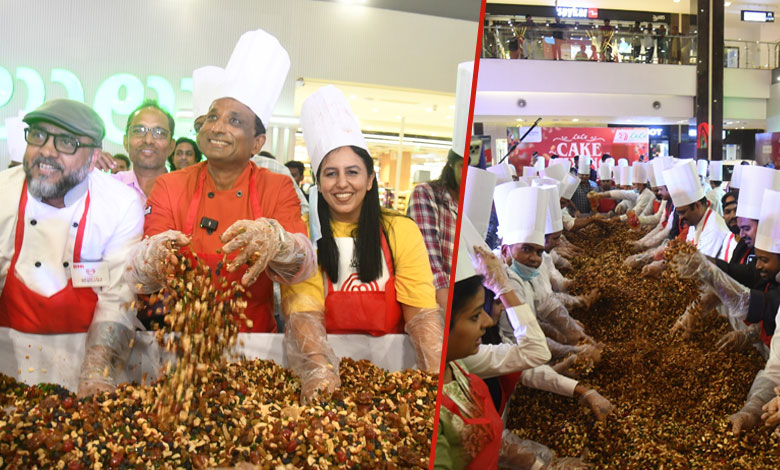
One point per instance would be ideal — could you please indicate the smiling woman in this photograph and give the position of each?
(374, 275)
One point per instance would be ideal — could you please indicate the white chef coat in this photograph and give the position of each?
(655, 217)
(708, 237)
(530, 350)
(114, 226)
(715, 195)
(642, 202)
(729, 243)
(568, 220)
(772, 368)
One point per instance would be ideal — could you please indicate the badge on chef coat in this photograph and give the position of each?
(89, 274)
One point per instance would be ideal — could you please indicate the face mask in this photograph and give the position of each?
(526, 273)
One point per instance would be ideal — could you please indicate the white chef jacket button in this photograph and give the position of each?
(75, 224)
(239, 193)
(37, 264)
(33, 222)
(65, 264)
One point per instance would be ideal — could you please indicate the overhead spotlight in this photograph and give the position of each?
(521, 103)
(656, 105)
(575, 120)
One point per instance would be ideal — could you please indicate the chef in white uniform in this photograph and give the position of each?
(65, 235)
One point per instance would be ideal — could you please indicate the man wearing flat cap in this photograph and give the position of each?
(66, 232)
(227, 204)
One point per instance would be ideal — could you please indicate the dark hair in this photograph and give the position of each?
(123, 157)
(368, 245)
(151, 104)
(447, 177)
(259, 127)
(729, 194)
(267, 154)
(463, 291)
(295, 164)
(198, 153)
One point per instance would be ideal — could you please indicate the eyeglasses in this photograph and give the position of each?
(157, 132)
(63, 143)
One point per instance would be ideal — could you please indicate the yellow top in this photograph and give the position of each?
(413, 277)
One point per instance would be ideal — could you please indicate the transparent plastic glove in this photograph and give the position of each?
(295, 262)
(688, 265)
(749, 416)
(560, 351)
(771, 415)
(566, 463)
(695, 315)
(600, 406)
(492, 270)
(107, 348)
(555, 314)
(590, 298)
(638, 260)
(149, 265)
(620, 209)
(561, 262)
(636, 246)
(740, 340)
(654, 269)
(310, 356)
(263, 243)
(516, 453)
(426, 331)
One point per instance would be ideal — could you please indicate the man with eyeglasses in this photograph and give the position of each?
(148, 141)
(66, 232)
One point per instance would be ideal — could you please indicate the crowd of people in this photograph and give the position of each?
(80, 247)
(511, 320)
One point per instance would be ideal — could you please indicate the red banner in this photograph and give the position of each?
(630, 143)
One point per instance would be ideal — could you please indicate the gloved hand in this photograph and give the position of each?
(636, 247)
(310, 356)
(771, 415)
(587, 300)
(108, 346)
(761, 392)
(260, 242)
(600, 406)
(739, 340)
(654, 269)
(688, 265)
(426, 330)
(695, 315)
(567, 463)
(492, 270)
(153, 261)
(620, 209)
(638, 260)
(517, 453)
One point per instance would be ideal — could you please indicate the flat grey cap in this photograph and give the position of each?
(72, 116)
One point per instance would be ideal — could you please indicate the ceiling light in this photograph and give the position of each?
(374, 110)
(449, 117)
(352, 97)
(676, 1)
(519, 119)
(452, 106)
(398, 117)
(727, 4)
(428, 110)
(575, 120)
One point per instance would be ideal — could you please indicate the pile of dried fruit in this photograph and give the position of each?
(243, 412)
(672, 396)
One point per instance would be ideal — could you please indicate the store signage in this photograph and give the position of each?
(117, 96)
(758, 16)
(577, 12)
(620, 142)
(655, 131)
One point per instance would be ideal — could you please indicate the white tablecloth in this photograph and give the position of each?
(57, 358)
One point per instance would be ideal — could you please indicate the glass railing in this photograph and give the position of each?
(612, 45)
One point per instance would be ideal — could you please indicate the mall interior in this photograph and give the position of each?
(396, 61)
(642, 70)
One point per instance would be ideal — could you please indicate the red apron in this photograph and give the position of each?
(361, 311)
(508, 384)
(260, 306)
(68, 311)
(487, 458)
(656, 205)
(667, 213)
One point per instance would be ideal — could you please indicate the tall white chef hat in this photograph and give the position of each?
(565, 162)
(500, 197)
(638, 173)
(768, 231)
(610, 161)
(539, 164)
(750, 197)
(716, 170)
(529, 171)
(622, 162)
(583, 165)
(736, 176)
(556, 171)
(569, 185)
(460, 133)
(554, 222)
(605, 172)
(683, 183)
(328, 123)
(469, 237)
(624, 175)
(206, 87)
(526, 224)
(478, 200)
(504, 172)
(256, 72)
(659, 165)
(15, 134)
(702, 165)
(650, 169)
